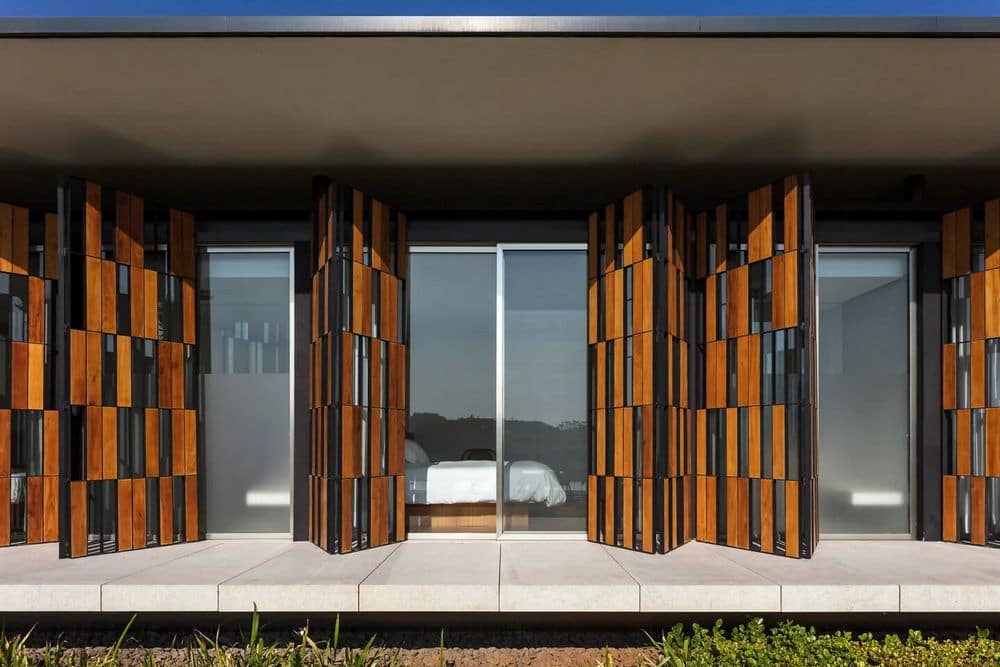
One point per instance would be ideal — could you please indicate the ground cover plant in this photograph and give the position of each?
(751, 643)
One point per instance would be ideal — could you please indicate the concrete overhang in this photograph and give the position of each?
(511, 112)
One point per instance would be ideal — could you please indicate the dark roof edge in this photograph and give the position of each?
(687, 26)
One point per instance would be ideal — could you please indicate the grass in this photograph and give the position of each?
(751, 643)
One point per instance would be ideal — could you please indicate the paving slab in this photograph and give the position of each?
(34, 579)
(435, 576)
(563, 576)
(302, 578)
(693, 578)
(190, 583)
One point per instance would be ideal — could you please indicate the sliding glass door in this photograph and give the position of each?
(497, 390)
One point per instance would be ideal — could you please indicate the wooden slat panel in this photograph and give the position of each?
(948, 356)
(721, 245)
(400, 508)
(50, 509)
(609, 510)
(191, 508)
(397, 376)
(351, 442)
(123, 350)
(949, 493)
(19, 240)
(138, 514)
(36, 310)
(397, 440)
(137, 308)
(50, 454)
(125, 504)
(977, 383)
(992, 240)
(767, 516)
(177, 374)
(993, 442)
(94, 315)
(152, 439)
(389, 307)
(94, 368)
(166, 510)
(123, 228)
(149, 283)
(19, 375)
(109, 443)
(109, 297)
(628, 528)
(190, 442)
(609, 238)
(992, 306)
(792, 519)
(791, 289)
(36, 376)
(791, 204)
(35, 500)
(187, 299)
(92, 220)
(178, 436)
(978, 510)
(77, 518)
(357, 226)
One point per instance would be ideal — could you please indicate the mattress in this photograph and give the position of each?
(450, 482)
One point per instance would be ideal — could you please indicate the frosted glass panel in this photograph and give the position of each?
(864, 392)
(245, 384)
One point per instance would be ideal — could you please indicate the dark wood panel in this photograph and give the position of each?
(191, 508)
(36, 310)
(949, 525)
(35, 499)
(50, 510)
(138, 514)
(92, 221)
(166, 510)
(36, 376)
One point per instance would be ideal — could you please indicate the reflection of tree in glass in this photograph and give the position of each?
(563, 448)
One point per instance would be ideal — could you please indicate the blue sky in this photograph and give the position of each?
(500, 7)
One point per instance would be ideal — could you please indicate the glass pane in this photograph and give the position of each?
(245, 385)
(864, 393)
(451, 439)
(545, 390)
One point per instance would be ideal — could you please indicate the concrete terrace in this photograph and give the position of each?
(486, 576)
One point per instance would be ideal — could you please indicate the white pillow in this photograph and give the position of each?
(415, 454)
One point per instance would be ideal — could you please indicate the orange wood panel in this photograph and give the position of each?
(78, 518)
(734, 515)
(19, 240)
(166, 510)
(6, 239)
(351, 442)
(609, 238)
(109, 297)
(977, 383)
(767, 516)
(36, 310)
(963, 241)
(792, 519)
(992, 306)
(389, 315)
(791, 205)
(949, 494)
(191, 508)
(400, 508)
(36, 376)
(992, 233)
(380, 240)
(948, 354)
(978, 510)
(35, 499)
(683, 375)
(123, 228)
(628, 529)
(137, 216)
(778, 441)
(177, 374)
(152, 441)
(397, 376)
(187, 294)
(397, 440)
(137, 307)
(178, 437)
(50, 509)
(125, 504)
(617, 468)
(190, 442)
(109, 443)
(92, 220)
(77, 367)
(19, 375)
(138, 514)
(791, 289)
(94, 304)
(51, 246)
(977, 305)
(149, 284)
(592, 312)
(50, 454)
(163, 372)
(963, 423)
(993, 442)
(609, 510)
(5, 444)
(123, 350)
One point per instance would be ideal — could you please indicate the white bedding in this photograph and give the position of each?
(451, 482)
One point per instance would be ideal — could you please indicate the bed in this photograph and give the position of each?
(461, 495)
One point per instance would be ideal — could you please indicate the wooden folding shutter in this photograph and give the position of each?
(754, 419)
(125, 320)
(357, 371)
(640, 483)
(29, 420)
(970, 391)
